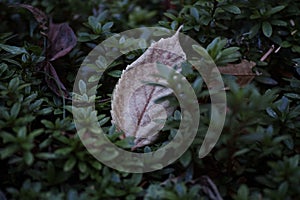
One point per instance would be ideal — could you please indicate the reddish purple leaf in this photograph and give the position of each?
(53, 81)
(62, 39)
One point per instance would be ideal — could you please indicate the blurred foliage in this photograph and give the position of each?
(257, 155)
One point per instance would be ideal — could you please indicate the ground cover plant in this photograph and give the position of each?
(255, 44)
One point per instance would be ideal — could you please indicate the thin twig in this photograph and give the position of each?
(210, 188)
(266, 55)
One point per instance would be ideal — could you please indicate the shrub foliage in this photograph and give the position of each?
(257, 155)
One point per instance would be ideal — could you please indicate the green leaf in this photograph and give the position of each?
(93, 78)
(15, 109)
(45, 155)
(169, 15)
(82, 87)
(109, 154)
(180, 189)
(85, 37)
(115, 73)
(64, 151)
(21, 131)
(69, 164)
(201, 51)
(174, 25)
(194, 12)
(279, 22)
(28, 158)
(296, 48)
(7, 137)
(101, 62)
(45, 111)
(241, 152)
(232, 9)
(283, 107)
(229, 51)
(283, 189)
(8, 151)
(267, 29)
(13, 84)
(107, 26)
(96, 164)
(186, 158)
(289, 142)
(13, 49)
(128, 142)
(215, 47)
(48, 124)
(272, 113)
(36, 104)
(82, 167)
(266, 80)
(292, 96)
(36, 133)
(243, 192)
(275, 10)
(93, 22)
(3, 68)
(285, 44)
(254, 30)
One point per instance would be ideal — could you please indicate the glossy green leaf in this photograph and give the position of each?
(194, 12)
(15, 109)
(13, 84)
(45, 156)
(7, 137)
(275, 10)
(13, 49)
(107, 26)
(115, 73)
(279, 22)
(69, 164)
(232, 9)
(82, 87)
(267, 29)
(272, 113)
(28, 158)
(8, 150)
(266, 80)
(243, 192)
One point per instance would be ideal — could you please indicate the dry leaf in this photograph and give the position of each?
(243, 71)
(133, 109)
(53, 81)
(62, 40)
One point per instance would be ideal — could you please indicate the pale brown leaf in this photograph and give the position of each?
(243, 71)
(133, 109)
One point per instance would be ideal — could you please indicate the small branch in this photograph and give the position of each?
(266, 55)
(210, 188)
